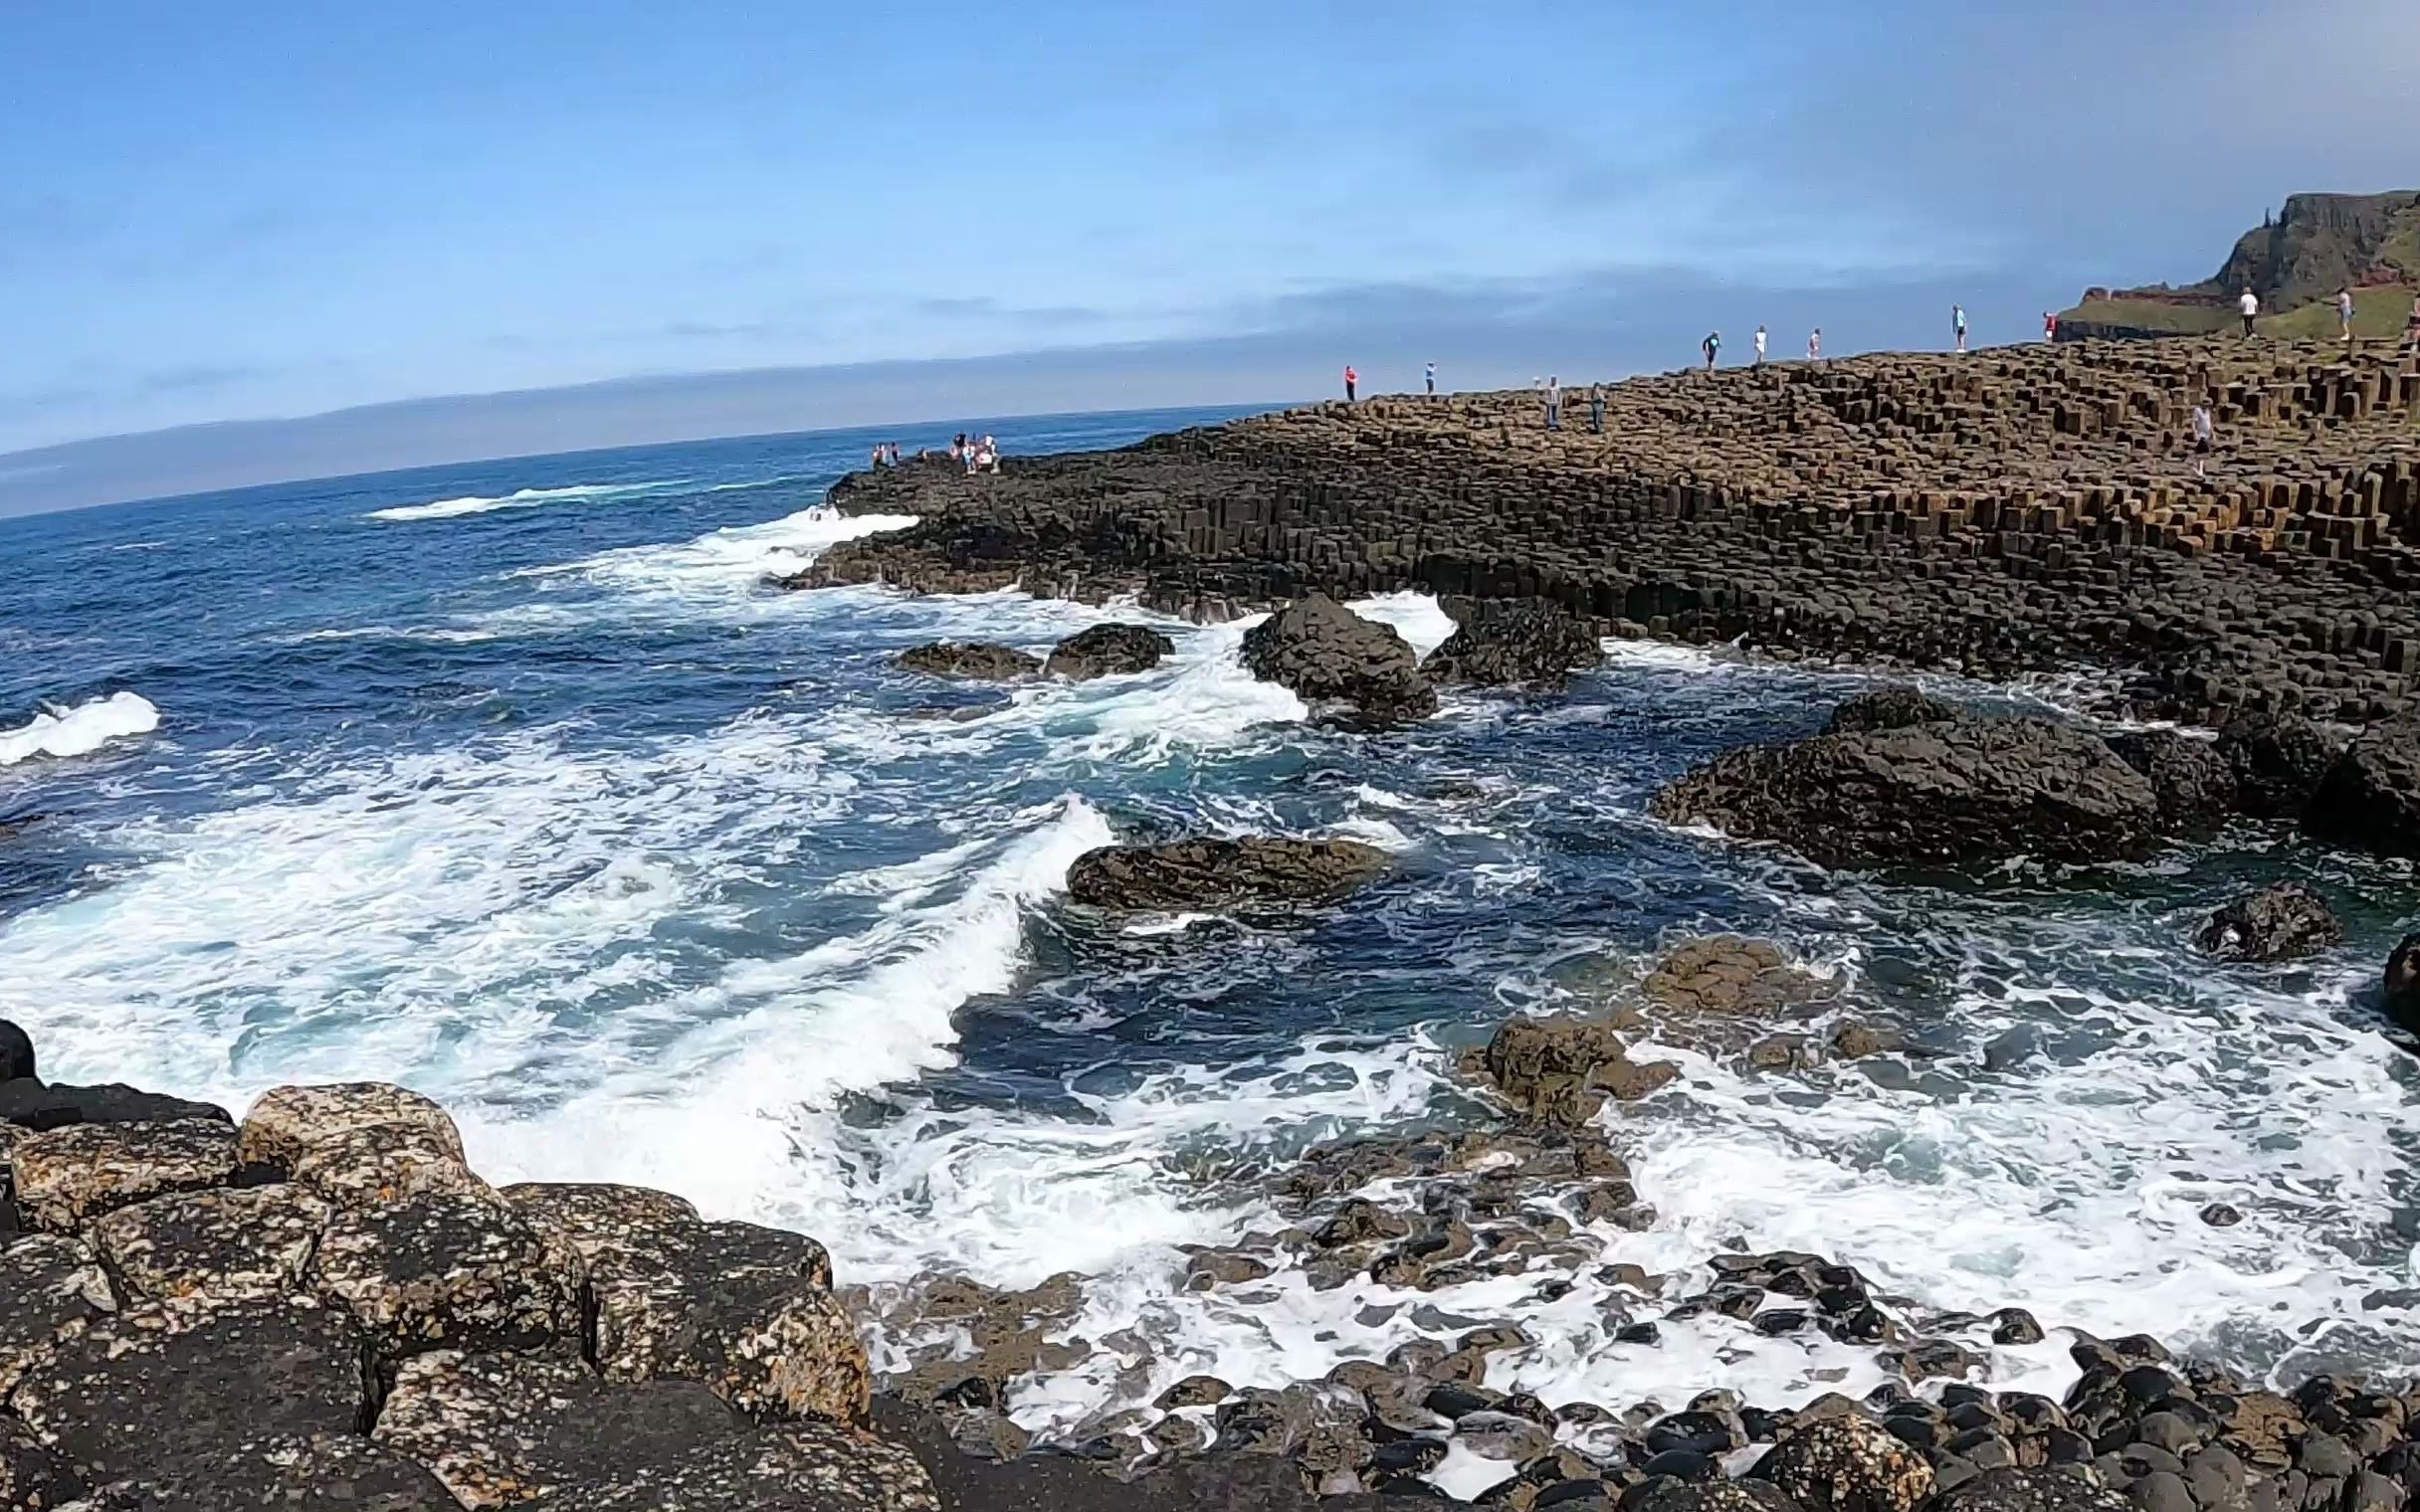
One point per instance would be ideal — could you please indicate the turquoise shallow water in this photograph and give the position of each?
(514, 782)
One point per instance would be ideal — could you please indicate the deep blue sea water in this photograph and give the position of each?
(515, 781)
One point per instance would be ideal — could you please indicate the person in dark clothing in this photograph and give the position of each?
(1596, 409)
(1351, 380)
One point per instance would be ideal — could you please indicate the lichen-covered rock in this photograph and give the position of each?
(1724, 975)
(1107, 650)
(448, 1270)
(2045, 1489)
(968, 660)
(1848, 1464)
(288, 1119)
(325, 1473)
(1529, 646)
(378, 1165)
(2196, 786)
(68, 1176)
(2276, 923)
(593, 1217)
(1746, 1495)
(2370, 797)
(225, 1244)
(33, 1478)
(503, 1430)
(1560, 1070)
(1951, 790)
(1221, 873)
(49, 1285)
(2278, 760)
(1328, 654)
(167, 1384)
(1889, 709)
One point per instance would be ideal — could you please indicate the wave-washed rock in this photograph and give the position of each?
(1221, 873)
(1331, 657)
(2276, 923)
(970, 660)
(1530, 646)
(1107, 650)
(2370, 795)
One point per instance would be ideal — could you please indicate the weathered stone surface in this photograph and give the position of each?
(49, 1285)
(447, 1270)
(164, 1386)
(68, 1176)
(378, 1165)
(325, 1473)
(288, 1119)
(1526, 646)
(2276, 923)
(1889, 709)
(596, 1216)
(2370, 797)
(224, 1244)
(970, 660)
(1107, 650)
(2045, 1489)
(1748, 1495)
(1724, 975)
(502, 1430)
(2279, 762)
(1957, 791)
(1329, 655)
(1560, 1070)
(1221, 873)
(33, 1478)
(1848, 1464)
(2196, 787)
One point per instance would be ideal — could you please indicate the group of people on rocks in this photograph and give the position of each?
(977, 454)
(885, 454)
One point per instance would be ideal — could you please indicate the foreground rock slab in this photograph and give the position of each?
(1529, 645)
(1221, 873)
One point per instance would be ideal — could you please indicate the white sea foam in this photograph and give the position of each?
(722, 569)
(523, 498)
(81, 730)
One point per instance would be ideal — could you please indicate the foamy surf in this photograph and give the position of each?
(523, 498)
(81, 730)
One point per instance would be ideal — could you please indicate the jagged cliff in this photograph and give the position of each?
(2319, 244)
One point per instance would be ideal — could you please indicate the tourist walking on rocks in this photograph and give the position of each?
(1815, 345)
(1760, 346)
(2205, 437)
(1429, 377)
(1554, 402)
(1711, 344)
(2345, 312)
(1351, 379)
(2250, 305)
(1596, 409)
(1958, 323)
(2050, 325)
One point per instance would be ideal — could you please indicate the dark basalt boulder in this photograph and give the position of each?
(1222, 1481)
(49, 1285)
(1848, 1464)
(225, 1244)
(1531, 646)
(29, 1104)
(1328, 654)
(968, 660)
(438, 1270)
(326, 1472)
(1746, 1495)
(1107, 650)
(1221, 873)
(1889, 709)
(2193, 779)
(30, 1476)
(2047, 1489)
(16, 1054)
(2370, 797)
(2277, 923)
(2278, 760)
(2401, 988)
(1951, 791)
(1559, 1071)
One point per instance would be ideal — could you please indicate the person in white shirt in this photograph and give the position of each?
(2205, 436)
(2345, 312)
(2250, 304)
(1815, 345)
(1761, 346)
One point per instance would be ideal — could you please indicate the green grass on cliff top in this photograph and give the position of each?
(2377, 315)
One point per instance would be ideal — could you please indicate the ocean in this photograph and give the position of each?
(514, 782)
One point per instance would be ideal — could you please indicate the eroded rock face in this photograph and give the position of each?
(444, 1270)
(50, 1285)
(68, 1176)
(32, 1479)
(377, 1164)
(1107, 650)
(2370, 797)
(1889, 709)
(1530, 646)
(1848, 1464)
(325, 1473)
(1560, 1070)
(1329, 655)
(288, 1119)
(2192, 779)
(2278, 760)
(503, 1430)
(2277, 923)
(1952, 791)
(1221, 873)
(591, 1217)
(970, 660)
(225, 1245)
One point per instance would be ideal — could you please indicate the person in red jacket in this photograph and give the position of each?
(1351, 379)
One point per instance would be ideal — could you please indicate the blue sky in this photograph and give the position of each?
(212, 212)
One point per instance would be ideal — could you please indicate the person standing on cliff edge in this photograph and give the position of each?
(1815, 345)
(1429, 376)
(1554, 402)
(1596, 409)
(2050, 325)
(2250, 305)
(1352, 378)
(1710, 345)
(2345, 312)
(1760, 346)
(1958, 323)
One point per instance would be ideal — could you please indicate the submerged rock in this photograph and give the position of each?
(1107, 650)
(1952, 791)
(2370, 797)
(2195, 785)
(968, 660)
(1560, 1070)
(2278, 760)
(1221, 873)
(2401, 988)
(2277, 923)
(1889, 709)
(1529, 645)
(1328, 654)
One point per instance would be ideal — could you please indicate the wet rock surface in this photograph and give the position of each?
(1222, 873)
(1331, 657)
(2279, 762)
(970, 660)
(1889, 709)
(2370, 795)
(1107, 650)
(2400, 989)
(1561, 1070)
(2196, 786)
(2277, 923)
(1526, 646)
(1949, 791)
